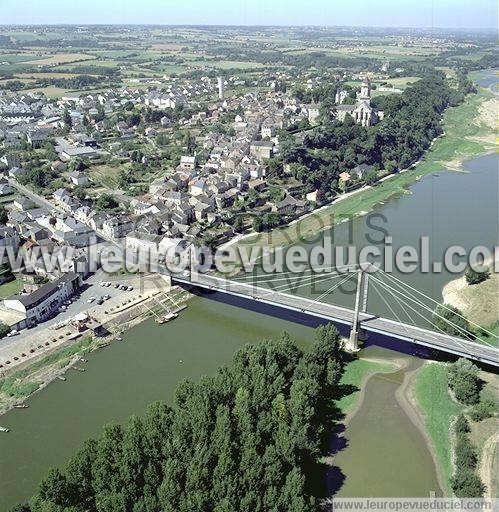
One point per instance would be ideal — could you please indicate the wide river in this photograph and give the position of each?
(147, 365)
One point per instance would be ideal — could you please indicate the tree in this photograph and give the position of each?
(80, 192)
(3, 214)
(106, 202)
(464, 381)
(68, 122)
(4, 330)
(257, 224)
(451, 320)
(189, 142)
(238, 224)
(466, 484)
(234, 441)
(474, 277)
(461, 425)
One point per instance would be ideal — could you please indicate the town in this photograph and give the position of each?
(179, 162)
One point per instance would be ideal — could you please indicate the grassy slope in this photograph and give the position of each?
(452, 146)
(438, 409)
(22, 383)
(355, 373)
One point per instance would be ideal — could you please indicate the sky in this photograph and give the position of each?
(380, 13)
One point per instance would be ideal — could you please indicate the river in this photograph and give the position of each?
(147, 365)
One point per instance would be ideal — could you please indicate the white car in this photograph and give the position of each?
(90, 300)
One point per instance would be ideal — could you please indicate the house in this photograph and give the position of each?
(117, 227)
(11, 160)
(344, 177)
(15, 172)
(165, 121)
(289, 206)
(23, 203)
(312, 196)
(261, 149)
(360, 171)
(313, 113)
(69, 152)
(79, 178)
(45, 301)
(5, 189)
(37, 138)
(187, 162)
(197, 187)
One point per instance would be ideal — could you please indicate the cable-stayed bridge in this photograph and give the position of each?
(274, 290)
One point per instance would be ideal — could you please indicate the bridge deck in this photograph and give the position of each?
(370, 323)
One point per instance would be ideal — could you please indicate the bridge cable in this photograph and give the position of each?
(427, 308)
(455, 338)
(287, 272)
(418, 301)
(438, 303)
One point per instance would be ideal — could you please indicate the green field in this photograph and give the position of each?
(439, 409)
(10, 288)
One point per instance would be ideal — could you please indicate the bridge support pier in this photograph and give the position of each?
(356, 334)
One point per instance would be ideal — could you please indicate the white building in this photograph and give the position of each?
(42, 303)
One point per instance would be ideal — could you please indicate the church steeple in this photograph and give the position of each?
(365, 90)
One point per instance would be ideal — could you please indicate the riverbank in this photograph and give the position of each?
(469, 131)
(36, 373)
(478, 302)
(437, 410)
(357, 375)
(379, 424)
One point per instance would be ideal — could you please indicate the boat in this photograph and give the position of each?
(83, 360)
(21, 406)
(61, 377)
(4, 429)
(166, 318)
(77, 368)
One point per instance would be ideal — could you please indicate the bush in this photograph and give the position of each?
(461, 426)
(4, 330)
(474, 277)
(482, 411)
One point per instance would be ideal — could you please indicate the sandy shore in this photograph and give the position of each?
(479, 302)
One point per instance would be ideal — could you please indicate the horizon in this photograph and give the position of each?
(413, 14)
(222, 25)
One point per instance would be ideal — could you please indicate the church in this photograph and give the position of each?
(362, 112)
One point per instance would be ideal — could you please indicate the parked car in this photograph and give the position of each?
(90, 300)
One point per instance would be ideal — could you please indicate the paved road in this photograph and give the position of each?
(371, 323)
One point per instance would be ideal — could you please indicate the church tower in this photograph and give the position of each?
(365, 90)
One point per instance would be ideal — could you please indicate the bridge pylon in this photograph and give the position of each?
(356, 334)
